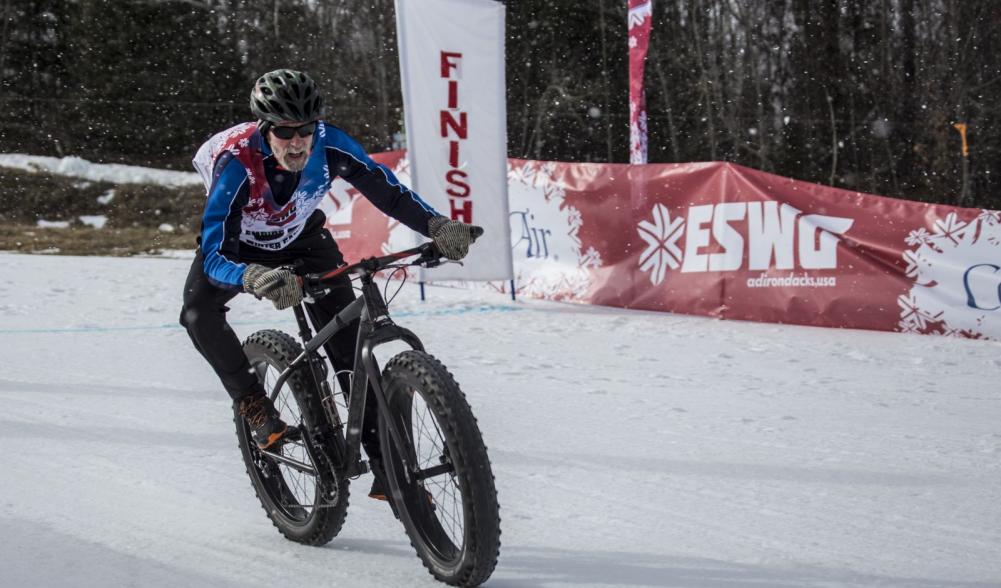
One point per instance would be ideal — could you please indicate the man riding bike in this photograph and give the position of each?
(265, 180)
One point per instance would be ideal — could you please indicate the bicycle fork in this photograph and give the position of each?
(376, 329)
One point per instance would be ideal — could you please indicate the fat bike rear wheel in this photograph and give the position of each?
(304, 500)
(449, 509)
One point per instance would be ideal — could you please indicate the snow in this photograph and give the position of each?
(77, 167)
(95, 220)
(630, 448)
(107, 197)
(47, 224)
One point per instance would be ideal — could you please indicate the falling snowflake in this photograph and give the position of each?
(662, 249)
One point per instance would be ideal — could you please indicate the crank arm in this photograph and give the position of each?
(292, 463)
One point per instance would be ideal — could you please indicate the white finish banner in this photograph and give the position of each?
(452, 69)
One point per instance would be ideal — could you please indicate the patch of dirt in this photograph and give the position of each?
(139, 218)
(80, 240)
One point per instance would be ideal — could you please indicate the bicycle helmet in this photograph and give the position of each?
(285, 95)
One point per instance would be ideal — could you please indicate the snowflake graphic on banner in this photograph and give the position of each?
(918, 237)
(956, 268)
(549, 258)
(661, 237)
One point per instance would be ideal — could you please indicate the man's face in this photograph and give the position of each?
(292, 152)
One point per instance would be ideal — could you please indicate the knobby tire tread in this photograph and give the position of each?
(325, 522)
(454, 415)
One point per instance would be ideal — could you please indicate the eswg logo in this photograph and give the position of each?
(748, 236)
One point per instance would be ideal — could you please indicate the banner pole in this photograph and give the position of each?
(512, 290)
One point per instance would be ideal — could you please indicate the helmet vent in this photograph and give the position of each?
(286, 95)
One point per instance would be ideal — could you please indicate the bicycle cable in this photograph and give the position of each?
(385, 290)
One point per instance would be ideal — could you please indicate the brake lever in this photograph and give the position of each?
(430, 256)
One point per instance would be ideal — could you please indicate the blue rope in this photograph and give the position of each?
(403, 314)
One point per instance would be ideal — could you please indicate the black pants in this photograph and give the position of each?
(204, 317)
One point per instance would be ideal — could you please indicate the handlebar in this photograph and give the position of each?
(428, 256)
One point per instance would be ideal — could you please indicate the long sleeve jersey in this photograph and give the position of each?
(252, 200)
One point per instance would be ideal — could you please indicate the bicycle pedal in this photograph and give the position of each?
(292, 435)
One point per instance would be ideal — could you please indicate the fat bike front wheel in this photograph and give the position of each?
(449, 508)
(304, 499)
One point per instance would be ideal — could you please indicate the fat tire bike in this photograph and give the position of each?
(436, 469)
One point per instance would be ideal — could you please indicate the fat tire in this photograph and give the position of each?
(477, 557)
(278, 349)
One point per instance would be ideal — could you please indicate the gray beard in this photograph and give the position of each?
(297, 167)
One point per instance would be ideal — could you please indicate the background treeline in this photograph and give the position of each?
(860, 94)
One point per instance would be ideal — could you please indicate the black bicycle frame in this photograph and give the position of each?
(375, 329)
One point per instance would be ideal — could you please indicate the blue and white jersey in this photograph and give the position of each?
(253, 201)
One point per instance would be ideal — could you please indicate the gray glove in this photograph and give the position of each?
(451, 237)
(279, 285)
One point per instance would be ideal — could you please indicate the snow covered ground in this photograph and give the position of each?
(99, 172)
(630, 448)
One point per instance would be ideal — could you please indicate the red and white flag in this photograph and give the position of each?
(640, 15)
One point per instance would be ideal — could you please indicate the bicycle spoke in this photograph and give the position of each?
(298, 488)
(453, 518)
(429, 447)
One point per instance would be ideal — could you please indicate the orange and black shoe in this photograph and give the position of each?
(266, 425)
(377, 492)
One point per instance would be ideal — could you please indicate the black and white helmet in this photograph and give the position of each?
(285, 95)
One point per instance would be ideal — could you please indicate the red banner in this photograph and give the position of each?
(640, 17)
(721, 240)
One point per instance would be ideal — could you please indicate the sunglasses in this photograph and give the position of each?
(286, 133)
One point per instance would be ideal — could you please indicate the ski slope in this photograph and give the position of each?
(630, 448)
